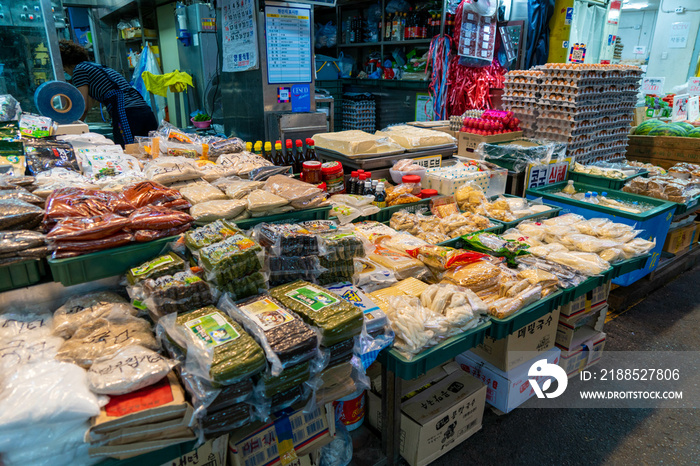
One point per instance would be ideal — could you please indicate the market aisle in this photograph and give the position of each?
(667, 320)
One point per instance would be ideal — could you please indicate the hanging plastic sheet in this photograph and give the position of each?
(539, 13)
(147, 62)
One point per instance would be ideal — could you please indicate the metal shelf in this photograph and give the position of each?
(410, 41)
(359, 44)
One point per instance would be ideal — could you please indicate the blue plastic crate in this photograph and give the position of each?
(654, 223)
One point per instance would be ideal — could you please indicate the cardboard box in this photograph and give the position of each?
(257, 444)
(569, 327)
(587, 349)
(436, 419)
(521, 345)
(640, 115)
(665, 151)
(587, 302)
(505, 391)
(679, 240)
(446, 129)
(212, 453)
(468, 142)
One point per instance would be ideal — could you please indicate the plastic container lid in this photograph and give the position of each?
(299, 143)
(332, 167)
(289, 144)
(426, 193)
(354, 174)
(312, 165)
(410, 179)
(369, 174)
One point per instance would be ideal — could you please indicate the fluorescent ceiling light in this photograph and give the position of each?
(634, 6)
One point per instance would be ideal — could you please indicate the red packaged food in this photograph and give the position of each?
(84, 247)
(177, 204)
(149, 193)
(87, 228)
(79, 202)
(157, 218)
(143, 236)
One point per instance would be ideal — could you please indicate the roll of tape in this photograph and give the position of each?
(60, 101)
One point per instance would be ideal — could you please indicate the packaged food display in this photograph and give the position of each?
(443, 258)
(45, 154)
(196, 193)
(242, 163)
(180, 292)
(19, 215)
(401, 264)
(82, 309)
(268, 385)
(230, 259)
(221, 421)
(435, 229)
(217, 348)
(239, 189)
(665, 187)
(150, 193)
(286, 239)
(337, 319)
(167, 264)
(495, 245)
(299, 194)
(157, 218)
(217, 210)
(404, 193)
(226, 146)
(106, 335)
(287, 340)
(128, 370)
(370, 276)
(209, 234)
(260, 201)
(285, 269)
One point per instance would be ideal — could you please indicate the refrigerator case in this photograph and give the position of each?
(249, 98)
(199, 58)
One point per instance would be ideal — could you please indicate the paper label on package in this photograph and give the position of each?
(267, 314)
(212, 329)
(148, 266)
(312, 297)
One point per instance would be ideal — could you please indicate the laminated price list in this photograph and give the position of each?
(288, 35)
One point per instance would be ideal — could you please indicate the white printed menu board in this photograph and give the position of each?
(240, 38)
(288, 37)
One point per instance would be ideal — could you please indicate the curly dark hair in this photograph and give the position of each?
(72, 54)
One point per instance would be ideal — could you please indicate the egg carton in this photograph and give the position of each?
(532, 100)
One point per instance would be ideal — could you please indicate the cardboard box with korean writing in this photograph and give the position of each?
(212, 453)
(521, 345)
(587, 350)
(437, 419)
(594, 298)
(257, 444)
(570, 327)
(505, 391)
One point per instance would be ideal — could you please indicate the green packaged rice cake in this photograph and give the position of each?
(209, 234)
(337, 319)
(168, 264)
(236, 355)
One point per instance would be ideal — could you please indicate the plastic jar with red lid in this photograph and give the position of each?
(426, 193)
(312, 172)
(334, 177)
(415, 181)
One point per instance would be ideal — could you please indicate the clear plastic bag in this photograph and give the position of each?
(180, 292)
(226, 146)
(202, 191)
(287, 239)
(168, 170)
(284, 336)
(239, 189)
(300, 195)
(128, 370)
(218, 210)
(82, 309)
(217, 348)
(370, 276)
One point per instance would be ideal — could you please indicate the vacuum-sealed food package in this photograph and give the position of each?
(128, 370)
(180, 292)
(149, 193)
(167, 264)
(45, 154)
(337, 319)
(476, 276)
(226, 146)
(268, 385)
(401, 264)
(219, 422)
(167, 170)
(21, 195)
(19, 215)
(287, 239)
(87, 228)
(285, 269)
(209, 234)
(202, 191)
(157, 218)
(239, 189)
(300, 195)
(232, 258)
(287, 340)
(216, 347)
(263, 201)
(217, 210)
(13, 241)
(143, 236)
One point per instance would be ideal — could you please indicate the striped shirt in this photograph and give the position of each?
(101, 80)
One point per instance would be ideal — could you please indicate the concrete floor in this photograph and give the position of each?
(667, 320)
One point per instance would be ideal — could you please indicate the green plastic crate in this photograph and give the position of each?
(294, 216)
(107, 263)
(435, 356)
(161, 456)
(629, 265)
(602, 181)
(385, 214)
(457, 242)
(501, 328)
(553, 212)
(22, 274)
(570, 294)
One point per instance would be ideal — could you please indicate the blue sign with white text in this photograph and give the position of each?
(301, 98)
